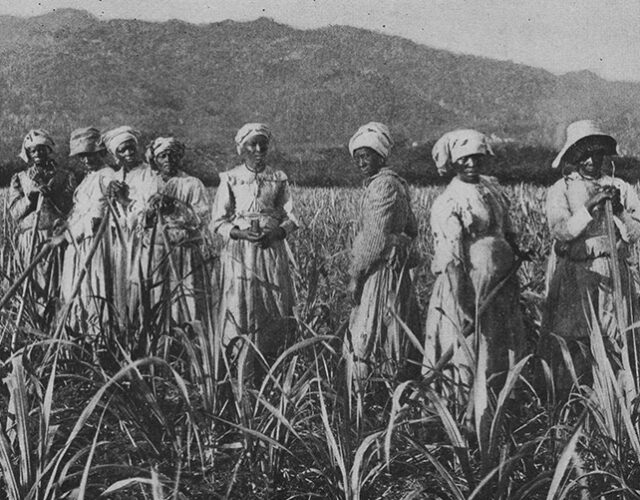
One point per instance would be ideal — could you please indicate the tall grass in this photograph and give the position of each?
(169, 422)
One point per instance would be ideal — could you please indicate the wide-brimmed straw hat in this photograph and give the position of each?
(584, 136)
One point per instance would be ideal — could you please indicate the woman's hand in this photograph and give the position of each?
(270, 236)
(616, 202)
(118, 190)
(606, 193)
(354, 289)
(245, 234)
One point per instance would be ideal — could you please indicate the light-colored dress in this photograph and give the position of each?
(470, 223)
(256, 289)
(91, 307)
(178, 270)
(125, 241)
(45, 285)
(381, 249)
(579, 270)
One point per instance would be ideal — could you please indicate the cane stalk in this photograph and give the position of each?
(32, 244)
(618, 304)
(25, 288)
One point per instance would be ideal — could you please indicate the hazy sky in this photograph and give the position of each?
(559, 35)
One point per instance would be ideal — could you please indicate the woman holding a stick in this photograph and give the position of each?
(254, 213)
(580, 275)
(38, 197)
(474, 251)
(135, 183)
(385, 315)
(176, 218)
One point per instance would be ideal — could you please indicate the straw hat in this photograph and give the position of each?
(584, 136)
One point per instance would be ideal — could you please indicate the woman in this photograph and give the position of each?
(135, 183)
(38, 197)
(380, 285)
(90, 206)
(253, 212)
(474, 255)
(180, 212)
(579, 276)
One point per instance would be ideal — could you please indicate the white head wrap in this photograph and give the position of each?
(35, 137)
(457, 144)
(161, 144)
(373, 135)
(249, 130)
(114, 137)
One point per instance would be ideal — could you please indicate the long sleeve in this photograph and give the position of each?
(90, 202)
(563, 224)
(376, 223)
(199, 201)
(447, 231)
(630, 217)
(223, 209)
(19, 204)
(411, 228)
(290, 222)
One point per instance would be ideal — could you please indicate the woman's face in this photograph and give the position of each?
(468, 168)
(592, 165)
(92, 161)
(168, 163)
(254, 153)
(39, 154)
(127, 154)
(368, 161)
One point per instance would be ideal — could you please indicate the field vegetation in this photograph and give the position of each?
(161, 423)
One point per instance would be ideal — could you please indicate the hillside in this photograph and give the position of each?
(201, 82)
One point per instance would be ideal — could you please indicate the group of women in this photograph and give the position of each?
(139, 231)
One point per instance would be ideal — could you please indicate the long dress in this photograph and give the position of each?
(125, 240)
(381, 249)
(178, 271)
(470, 223)
(579, 272)
(92, 305)
(45, 283)
(256, 289)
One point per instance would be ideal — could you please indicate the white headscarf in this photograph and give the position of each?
(114, 137)
(35, 137)
(374, 135)
(249, 130)
(457, 144)
(161, 144)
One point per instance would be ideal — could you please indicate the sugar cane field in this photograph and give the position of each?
(160, 423)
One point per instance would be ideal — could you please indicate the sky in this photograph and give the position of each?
(559, 35)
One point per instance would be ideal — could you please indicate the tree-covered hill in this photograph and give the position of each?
(201, 82)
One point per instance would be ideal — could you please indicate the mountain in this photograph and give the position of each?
(315, 87)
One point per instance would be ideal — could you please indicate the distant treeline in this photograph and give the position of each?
(513, 163)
